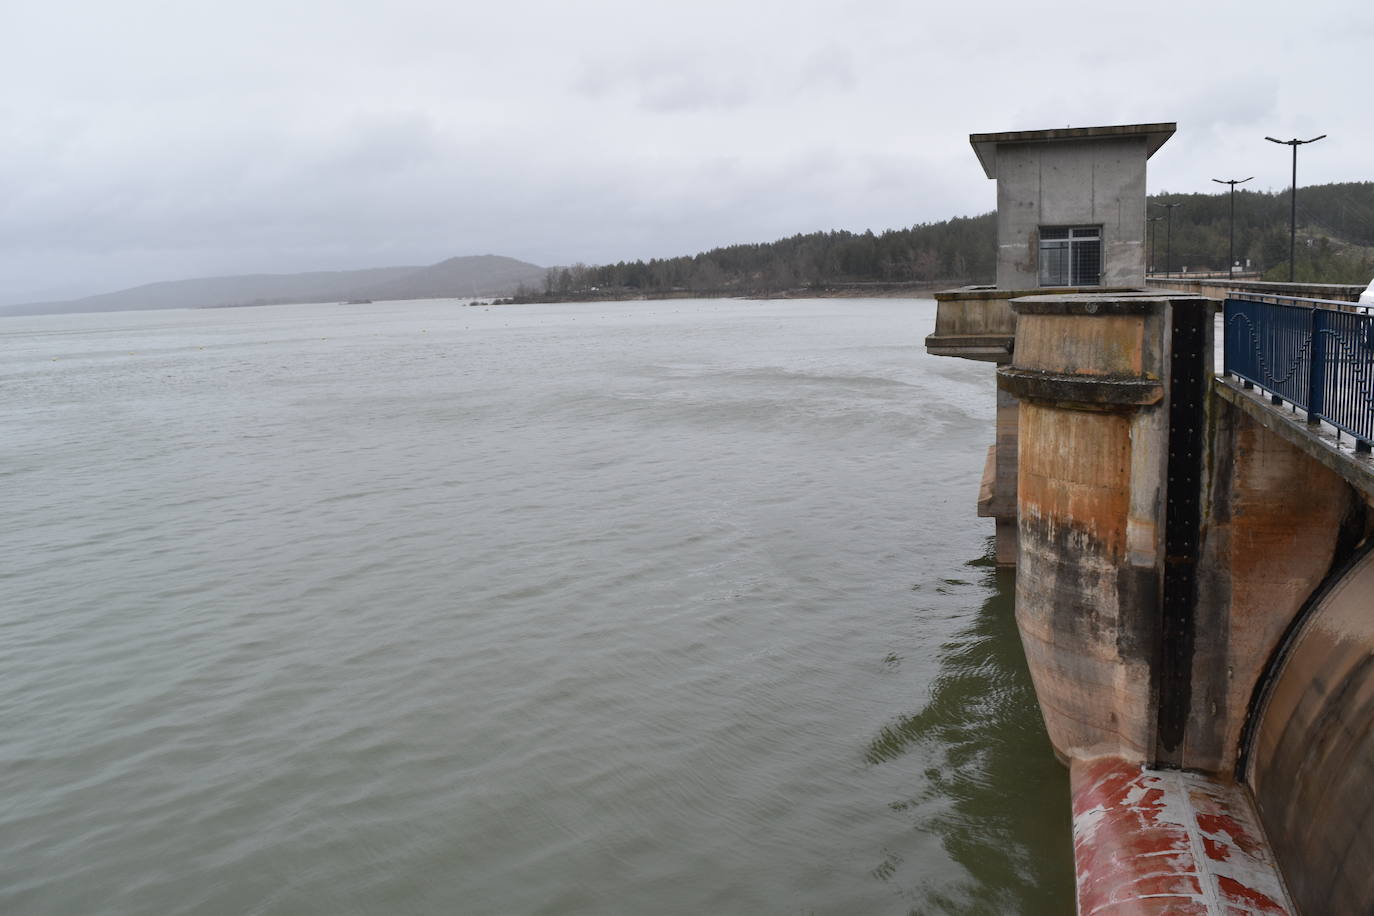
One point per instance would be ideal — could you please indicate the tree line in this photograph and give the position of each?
(963, 247)
(1335, 237)
(1335, 245)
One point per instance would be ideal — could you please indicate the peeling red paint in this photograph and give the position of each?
(1168, 842)
(1238, 894)
(1221, 823)
(1217, 852)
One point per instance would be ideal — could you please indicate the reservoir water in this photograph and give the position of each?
(656, 607)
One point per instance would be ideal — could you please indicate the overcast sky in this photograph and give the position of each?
(162, 139)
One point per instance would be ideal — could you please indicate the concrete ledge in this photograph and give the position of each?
(1131, 302)
(980, 355)
(1087, 390)
(989, 293)
(987, 347)
(1166, 841)
(966, 292)
(1003, 341)
(1318, 442)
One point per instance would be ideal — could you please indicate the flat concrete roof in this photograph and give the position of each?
(985, 145)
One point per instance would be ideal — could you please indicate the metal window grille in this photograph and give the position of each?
(1070, 255)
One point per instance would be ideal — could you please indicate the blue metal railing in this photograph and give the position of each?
(1319, 359)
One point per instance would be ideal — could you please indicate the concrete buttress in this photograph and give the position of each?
(1093, 377)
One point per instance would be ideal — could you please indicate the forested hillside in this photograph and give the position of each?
(1335, 232)
(1335, 239)
(962, 249)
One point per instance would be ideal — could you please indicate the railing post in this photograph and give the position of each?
(1228, 361)
(1316, 370)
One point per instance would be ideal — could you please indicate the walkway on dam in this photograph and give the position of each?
(1304, 369)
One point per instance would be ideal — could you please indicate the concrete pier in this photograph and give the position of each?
(1195, 595)
(1195, 563)
(1090, 373)
(978, 323)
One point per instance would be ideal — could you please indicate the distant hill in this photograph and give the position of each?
(478, 275)
(481, 275)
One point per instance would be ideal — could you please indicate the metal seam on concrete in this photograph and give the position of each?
(1210, 892)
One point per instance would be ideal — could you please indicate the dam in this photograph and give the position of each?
(1190, 531)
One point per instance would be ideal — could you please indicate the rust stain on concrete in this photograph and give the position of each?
(1109, 345)
(1280, 538)
(1075, 469)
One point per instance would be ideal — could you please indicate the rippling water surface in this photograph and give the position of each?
(673, 607)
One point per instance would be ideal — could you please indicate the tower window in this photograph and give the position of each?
(1070, 255)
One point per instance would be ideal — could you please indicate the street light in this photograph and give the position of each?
(1169, 237)
(1231, 264)
(1293, 202)
(1152, 219)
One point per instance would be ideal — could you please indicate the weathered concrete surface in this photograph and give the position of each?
(1113, 345)
(1093, 500)
(1088, 652)
(1121, 338)
(1070, 388)
(1312, 766)
(1171, 531)
(988, 484)
(1134, 663)
(1055, 178)
(1098, 363)
(1071, 184)
(988, 146)
(1086, 176)
(1275, 517)
(1168, 842)
(977, 322)
(974, 322)
(1317, 442)
(997, 494)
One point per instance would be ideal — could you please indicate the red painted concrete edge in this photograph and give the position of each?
(1165, 841)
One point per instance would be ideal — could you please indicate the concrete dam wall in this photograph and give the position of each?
(1311, 757)
(1195, 596)
(1193, 591)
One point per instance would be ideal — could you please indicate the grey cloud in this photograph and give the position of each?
(695, 95)
(335, 134)
(670, 83)
(830, 67)
(381, 144)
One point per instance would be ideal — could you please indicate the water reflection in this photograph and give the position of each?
(997, 797)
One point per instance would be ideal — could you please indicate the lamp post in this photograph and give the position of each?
(1293, 202)
(1148, 221)
(1169, 237)
(1231, 263)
